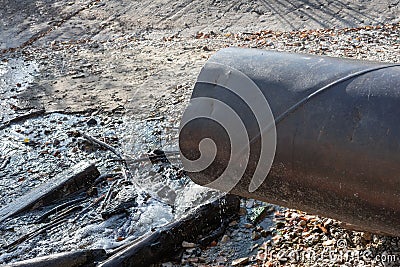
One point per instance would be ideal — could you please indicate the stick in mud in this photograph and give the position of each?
(10, 247)
(58, 208)
(5, 163)
(108, 195)
(102, 144)
(23, 117)
(66, 259)
(164, 243)
(81, 176)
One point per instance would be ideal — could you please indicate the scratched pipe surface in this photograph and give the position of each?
(337, 155)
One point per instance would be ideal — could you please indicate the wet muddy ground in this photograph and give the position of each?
(154, 194)
(122, 72)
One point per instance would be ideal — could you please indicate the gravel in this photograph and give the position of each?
(291, 237)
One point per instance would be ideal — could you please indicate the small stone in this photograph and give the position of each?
(280, 224)
(56, 142)
(225, 239)
(322, 228)
(255, 235)
(188, 245)
(265, 233)
(57, 153)
(93, 191)
(250, 203)
(248, 225)
(276, 239)
(242, 211)
(193, 260)
(79, 76)
(233, 223)
(240, 261)
(220, 259)
(190, 250)
(367, 236)
(91, 122)
(302, 223)
(254, 247)
(328, 222)
(328, 243)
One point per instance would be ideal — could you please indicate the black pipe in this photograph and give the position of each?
(336, 123)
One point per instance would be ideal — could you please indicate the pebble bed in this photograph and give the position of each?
(297, 238)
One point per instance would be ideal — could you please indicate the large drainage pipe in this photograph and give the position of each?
(322, 134)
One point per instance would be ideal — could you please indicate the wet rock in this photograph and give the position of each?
(93, 191)
(255, 235)
(250, 203)
(328, 243)
(242, 211)
(91, 122)
(302, 223)
(56, 142)
(233, 223)
(280, 224)
(225, 239)
(328, 222)
(241, 261)
(265, 233)
(186, 244)
(79, 76)
(367, 236)
(248, 225)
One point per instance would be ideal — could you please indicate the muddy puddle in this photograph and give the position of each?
(128, 201)
(157, 191)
